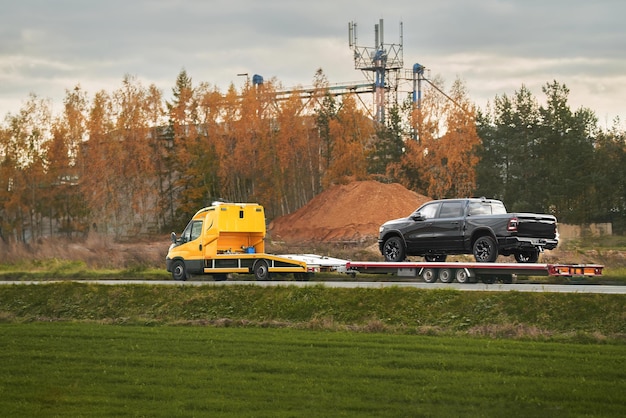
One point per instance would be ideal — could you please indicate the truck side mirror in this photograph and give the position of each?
(417, 217)
(173, 237)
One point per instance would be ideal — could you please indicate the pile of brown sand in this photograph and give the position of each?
(351, 212)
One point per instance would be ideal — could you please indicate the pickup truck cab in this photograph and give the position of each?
(477, 226)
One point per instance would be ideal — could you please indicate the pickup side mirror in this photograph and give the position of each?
(173, 237)
(417, 216)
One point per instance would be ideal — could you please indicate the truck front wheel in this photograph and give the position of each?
(261, 270)
(393, 250)
(179, 271)
(485, 250)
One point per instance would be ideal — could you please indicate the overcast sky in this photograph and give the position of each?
(494, 46)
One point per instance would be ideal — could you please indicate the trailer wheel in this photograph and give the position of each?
(445, 276)
(393, 250)
(462, 276)
(485, 250)
(429, 275)
(261, 270)
(531, 256)
(179, 271)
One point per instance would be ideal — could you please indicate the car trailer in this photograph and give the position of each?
(461, 272)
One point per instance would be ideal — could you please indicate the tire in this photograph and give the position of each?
(393, 250)
(485, 250)
(179, 271)
(261, 270)
(462, 276)
(439, 258)
(531, 256)
(429, 275)
(445, 276)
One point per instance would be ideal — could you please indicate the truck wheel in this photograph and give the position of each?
(261, 270)
(445, 276)
(429, 275)
(531, 256)
(393, 250)
(179, 271)
(485, 250)
(462, 276)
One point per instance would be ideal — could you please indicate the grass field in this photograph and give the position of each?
(89, 369)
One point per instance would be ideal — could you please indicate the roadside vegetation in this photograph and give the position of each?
(542, 316)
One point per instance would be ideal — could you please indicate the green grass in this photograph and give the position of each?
(87, 369)
(393, 309)
(55, 269)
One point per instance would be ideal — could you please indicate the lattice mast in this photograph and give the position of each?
(380, 64)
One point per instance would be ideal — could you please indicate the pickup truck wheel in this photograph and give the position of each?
(261, 270)
(531, 256)
(393, 250)
(485, 250)
(179, 271)
(429, 275)
(445, 276)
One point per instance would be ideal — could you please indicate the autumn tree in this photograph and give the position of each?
(98, 168)
(351, 133)
(24, 165)
(441, 161)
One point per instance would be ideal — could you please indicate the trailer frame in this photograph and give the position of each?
(464, 272)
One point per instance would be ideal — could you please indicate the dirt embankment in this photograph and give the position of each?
(346, 213)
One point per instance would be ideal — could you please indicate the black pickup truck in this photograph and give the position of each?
(477, 226)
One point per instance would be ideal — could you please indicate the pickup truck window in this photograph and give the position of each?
(451, 210)
(427, 211)
(486, 208)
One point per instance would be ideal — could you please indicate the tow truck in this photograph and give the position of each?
(227, 238)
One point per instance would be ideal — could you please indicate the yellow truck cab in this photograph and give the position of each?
(227, 238)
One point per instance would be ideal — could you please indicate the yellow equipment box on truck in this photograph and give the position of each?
(227, 238)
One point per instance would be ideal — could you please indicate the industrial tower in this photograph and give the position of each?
(380, 64)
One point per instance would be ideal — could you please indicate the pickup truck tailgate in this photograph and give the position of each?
(536, 226)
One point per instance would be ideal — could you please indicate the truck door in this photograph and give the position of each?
(190, 248)
(447, 227)
(419, 234)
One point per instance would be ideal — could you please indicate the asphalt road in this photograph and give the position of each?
(497, 287)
